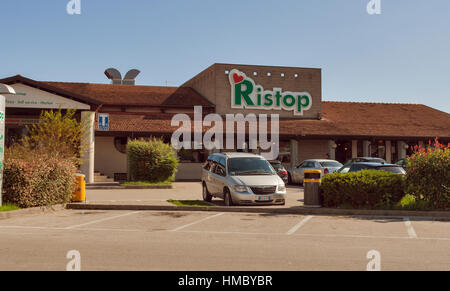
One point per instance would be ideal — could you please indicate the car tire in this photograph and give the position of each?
(227, 198)
(206, 195)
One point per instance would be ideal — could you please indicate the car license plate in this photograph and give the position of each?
(264, 198)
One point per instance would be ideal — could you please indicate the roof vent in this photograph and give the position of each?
(130, 77)
(116, 78)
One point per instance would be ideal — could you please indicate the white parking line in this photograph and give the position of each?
(101, 220)
(298, 225)
(410, 228)
(198, 221)
(371, 237)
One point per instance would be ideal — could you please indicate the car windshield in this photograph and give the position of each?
(396, 170)
(249, 166)
(330, 164)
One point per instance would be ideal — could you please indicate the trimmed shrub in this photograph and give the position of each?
(363, 189)
(34, 178)
(151, 160)
(410, 202)
(428, 175)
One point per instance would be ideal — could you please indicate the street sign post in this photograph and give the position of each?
(4, 89)
(103, 121)
(2, 142)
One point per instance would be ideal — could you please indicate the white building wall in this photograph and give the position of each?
(108, 160)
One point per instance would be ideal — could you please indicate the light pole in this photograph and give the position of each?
(4, 89)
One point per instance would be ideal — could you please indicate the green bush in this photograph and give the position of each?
(151, 160)
(34, 178)
(428, 175)
(410, 202)
(363, 189)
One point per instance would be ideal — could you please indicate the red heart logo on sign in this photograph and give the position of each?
(237, 79)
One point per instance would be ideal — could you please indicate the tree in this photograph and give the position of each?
(58, 134)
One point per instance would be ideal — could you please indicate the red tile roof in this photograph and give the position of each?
(109, 94)
(339, 119)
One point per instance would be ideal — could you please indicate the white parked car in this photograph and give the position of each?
(296, 175)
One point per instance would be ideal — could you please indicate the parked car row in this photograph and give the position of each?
(245, 178)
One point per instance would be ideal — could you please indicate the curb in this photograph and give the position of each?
(307, 211)
(122, 187)
(31, 211)
(104, 187)
(147, 186)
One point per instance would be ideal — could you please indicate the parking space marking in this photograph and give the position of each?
(299, 225)
(101, 220)
(198, 221)
(410, 228)
(315, 235)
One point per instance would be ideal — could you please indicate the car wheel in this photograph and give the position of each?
(227, 198)
(206, 195)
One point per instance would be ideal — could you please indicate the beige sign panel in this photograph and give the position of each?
(29, 97)
(215, 83)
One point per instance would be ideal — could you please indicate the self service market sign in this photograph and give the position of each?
(246, 94)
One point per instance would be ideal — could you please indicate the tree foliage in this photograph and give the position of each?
(58, 134)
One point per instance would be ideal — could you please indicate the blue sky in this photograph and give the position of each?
(402, 55)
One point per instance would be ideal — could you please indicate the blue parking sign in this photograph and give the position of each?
(103, 121)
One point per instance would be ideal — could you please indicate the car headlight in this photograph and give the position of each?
(281, 188)
(240, 188)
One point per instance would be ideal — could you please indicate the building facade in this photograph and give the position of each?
(308, 126)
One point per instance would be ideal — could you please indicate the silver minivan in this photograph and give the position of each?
(242, 178)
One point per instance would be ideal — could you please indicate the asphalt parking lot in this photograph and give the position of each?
(157, 240)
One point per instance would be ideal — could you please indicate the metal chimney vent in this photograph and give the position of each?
(116, 78)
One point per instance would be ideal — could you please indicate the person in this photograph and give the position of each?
(327, 156)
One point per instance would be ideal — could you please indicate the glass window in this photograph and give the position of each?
(220, 170)
(309, 165)
(329, 164)
(249, 166)
(222, 162)
(120, 143)
(207, 165)
(344, 169)
(277, 166)
(212, 167)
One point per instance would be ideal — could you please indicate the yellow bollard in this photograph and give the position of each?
(79, 195)
(312, 196)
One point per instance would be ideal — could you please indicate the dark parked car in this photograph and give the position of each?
(366, 159)
(281, 171)
(355, 167)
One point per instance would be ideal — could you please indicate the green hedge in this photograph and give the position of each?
(32, 178)
(428, 175)
(151, 160)
(363, 189)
